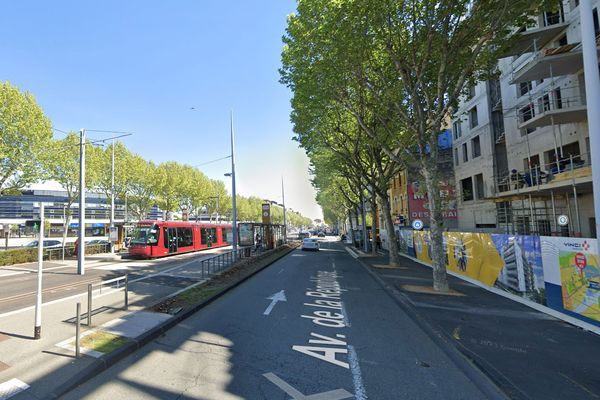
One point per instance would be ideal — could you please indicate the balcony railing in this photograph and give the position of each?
(555, 106)
(565, 169)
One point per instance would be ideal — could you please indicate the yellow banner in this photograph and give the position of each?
(469, 254)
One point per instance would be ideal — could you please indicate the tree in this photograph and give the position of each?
(414, 58)
(63, 167)
(25, 135)
(141, 187)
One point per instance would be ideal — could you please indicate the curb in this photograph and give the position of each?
(103, 363)
(466, 363)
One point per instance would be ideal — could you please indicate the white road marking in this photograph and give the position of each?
(10, 388)
(338, 394)
(359, 389)
(279, 296)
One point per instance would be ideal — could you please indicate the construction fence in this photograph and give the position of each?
(559, 272)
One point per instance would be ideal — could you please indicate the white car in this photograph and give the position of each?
(310, 244)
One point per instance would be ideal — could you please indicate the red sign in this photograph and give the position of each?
(418, 202)
(580, 261)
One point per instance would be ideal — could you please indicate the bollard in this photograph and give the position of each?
(126, 292)
(89, 304)
(77, 330)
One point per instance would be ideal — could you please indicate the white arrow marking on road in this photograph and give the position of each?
(279, 296)
(338, 394)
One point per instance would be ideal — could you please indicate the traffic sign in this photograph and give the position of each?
(563, 220)
(417, 224)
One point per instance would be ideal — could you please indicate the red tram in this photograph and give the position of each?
(152, 239)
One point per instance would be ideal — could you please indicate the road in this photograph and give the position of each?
(310, 326)
(60, 279)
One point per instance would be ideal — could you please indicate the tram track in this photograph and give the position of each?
(51, 289)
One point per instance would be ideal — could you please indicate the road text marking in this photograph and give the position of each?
(337, 394)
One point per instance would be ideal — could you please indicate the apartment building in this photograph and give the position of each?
(521, 143)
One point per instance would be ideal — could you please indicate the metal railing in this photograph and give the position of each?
(549, 100)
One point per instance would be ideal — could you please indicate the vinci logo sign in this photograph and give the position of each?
(585, 246)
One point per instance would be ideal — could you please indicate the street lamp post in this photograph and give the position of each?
(284, 214)
(112, 198)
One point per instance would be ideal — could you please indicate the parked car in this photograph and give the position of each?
(303, 235)
(48, 244)
(321, 234)
(310, 244)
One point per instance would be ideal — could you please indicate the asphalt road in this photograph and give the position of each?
(336, 335)
(18, 284)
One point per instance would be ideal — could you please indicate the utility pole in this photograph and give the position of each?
(592, 90)
(81, 253)
(37, 330)
(284, 216)
(234, 230)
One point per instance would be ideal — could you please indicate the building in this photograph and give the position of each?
(521, 142)
(22, 213)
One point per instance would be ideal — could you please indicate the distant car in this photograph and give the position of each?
(310, 244)
(303, 235)
(97, 242)
(48, 244)
(321, 234)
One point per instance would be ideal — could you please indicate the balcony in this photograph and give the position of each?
(561, 174)
(552, 107)
(531, 40)
(550, 62)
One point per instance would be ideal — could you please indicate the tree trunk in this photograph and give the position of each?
(440, 277)
(351, 226)
(374, 230)
(391, 233)
(65, 229)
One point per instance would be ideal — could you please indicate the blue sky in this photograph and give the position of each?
(139, 66)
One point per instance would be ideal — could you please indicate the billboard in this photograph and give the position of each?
(246, 234)
(418, 202)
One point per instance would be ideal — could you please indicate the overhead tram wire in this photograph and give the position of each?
(90, 141)
(212, 161)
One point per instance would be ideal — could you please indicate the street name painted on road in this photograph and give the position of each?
(279, 296)
(327, 297)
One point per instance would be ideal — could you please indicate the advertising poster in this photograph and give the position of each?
(405, 238)
(523, 271)
(421, 243)
(572, 276)
(473, 255)
(246, 234)
(418, 203)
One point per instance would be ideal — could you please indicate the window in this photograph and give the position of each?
(524, 88)
(455, 156)
(479, 187)
(475, 147)
(227, 235)
(185, 237)
(466, 187)
(473, 122)
(456, 128)
(562, 40)
(596, 24)
(465, 154)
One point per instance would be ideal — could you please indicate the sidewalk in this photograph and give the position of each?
(526, 353)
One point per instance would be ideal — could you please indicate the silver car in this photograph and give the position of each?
(310, 244)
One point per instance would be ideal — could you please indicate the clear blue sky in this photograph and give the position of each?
(140, 65)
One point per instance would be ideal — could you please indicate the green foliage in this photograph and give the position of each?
(17, 256)
(24, 136)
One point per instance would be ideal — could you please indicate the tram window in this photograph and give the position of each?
(227, 235)
(186, 237)
(213, 235)
(153, 235)
(203, 236)
(165, 237)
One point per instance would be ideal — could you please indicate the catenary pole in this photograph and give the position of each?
(592, 90)
(37, 330)
(112, 197)
(81, 253)
(284, 213)
(234, 213)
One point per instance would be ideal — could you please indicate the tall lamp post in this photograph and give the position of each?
(284, 216)
(81, 247)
